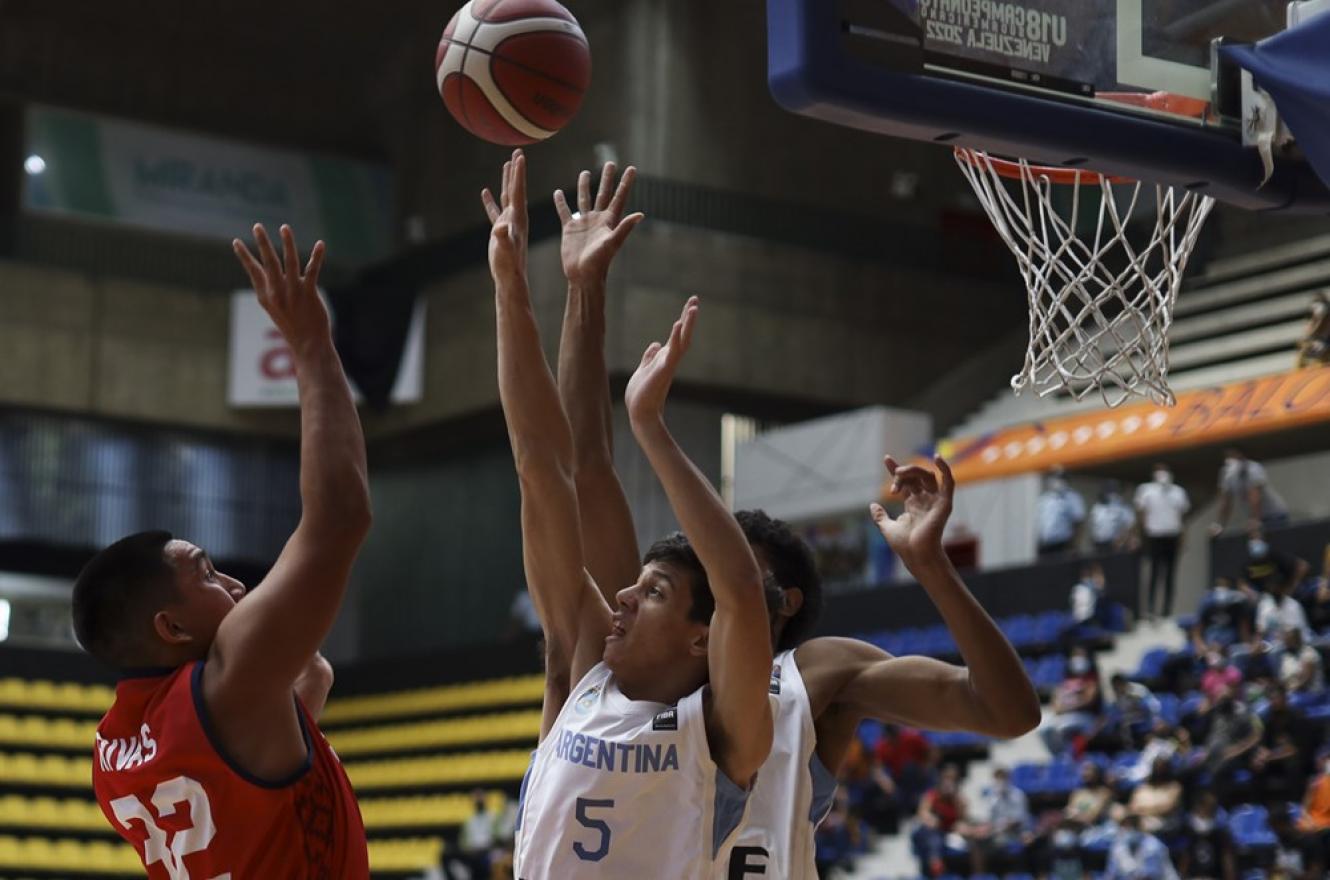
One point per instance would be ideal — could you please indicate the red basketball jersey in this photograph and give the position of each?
(166, 786)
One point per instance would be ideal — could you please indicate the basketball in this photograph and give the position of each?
(513, 72)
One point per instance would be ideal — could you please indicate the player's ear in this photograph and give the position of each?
(169, 629)
(698, 646)
(792, 599)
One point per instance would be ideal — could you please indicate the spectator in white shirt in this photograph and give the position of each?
(1278, 612)
(1162, 504)
(1059, 513)
(1111, 520)
(1300, 667)
(1243, 481)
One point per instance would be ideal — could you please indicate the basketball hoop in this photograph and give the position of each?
(1100, 305)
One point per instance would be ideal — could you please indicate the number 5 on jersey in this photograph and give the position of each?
(600, 826)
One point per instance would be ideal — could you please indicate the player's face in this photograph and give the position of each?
(204, 595)
(651, 625)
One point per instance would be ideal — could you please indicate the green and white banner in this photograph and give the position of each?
(158, 178)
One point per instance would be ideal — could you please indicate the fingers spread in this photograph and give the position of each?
(266, 252)
(251, 265)
(315, 264)
(291, 254)
(625, 228)
(506, 188)
(606, 184)
(620, 200)
(561, 206)
(584, 192)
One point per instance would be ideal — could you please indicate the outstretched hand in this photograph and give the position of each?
(287, 293)
(593, 235)
(508, 219)
(650, 385)
(916, 534)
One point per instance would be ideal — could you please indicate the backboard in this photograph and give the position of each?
(1060, 82)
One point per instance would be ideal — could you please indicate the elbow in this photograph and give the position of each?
(1019, 719)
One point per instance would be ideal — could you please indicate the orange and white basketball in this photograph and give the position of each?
(513, 71)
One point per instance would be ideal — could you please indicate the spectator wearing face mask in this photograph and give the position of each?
(1220, 673)
(1264, 567)
(1157, 801)
(1077, 702)
(1244, 482)
(1111, 520)
(1226, 617)
(1137, 855)
(1235, 731)
(1277, 612)
(1314, 348)
(1134, 711)
(1092, 612)
(1162, 504)
(1300, 668)
(1209, 853)
(1059, 512)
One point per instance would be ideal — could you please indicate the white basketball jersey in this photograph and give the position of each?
(624, 789)
(792, 795)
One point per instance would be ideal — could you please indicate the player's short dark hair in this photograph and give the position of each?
(117, 593)
(676, 549)
(792, 565)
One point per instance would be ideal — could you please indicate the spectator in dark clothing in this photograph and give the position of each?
(1225, 618)
(911, 761)
(1234, 732)
(941, 809)
(1298, 856)
(1264, 567)
(1209, 853)
(878, 798)
(1280, 763)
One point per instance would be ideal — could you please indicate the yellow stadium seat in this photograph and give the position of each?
(53, 770)
(425, 811)
(76, 699)
(58, 733)
(517, 691)
(469, 768)
(406, 854)
(473, 730)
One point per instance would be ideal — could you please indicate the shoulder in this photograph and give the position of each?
(820, 653)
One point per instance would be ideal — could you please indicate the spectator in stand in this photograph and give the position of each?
(523, 622)
(1315, 819)
(1266, 569)
(911, 761)
(1134, 711)
(1234, 732)
(1279, 764)
(1111, 520)
(1059, 512)
(1244, 482)
(1209, 852)
(1157, 801)
(1298, 855)
(1091, 611)
(1088, 805)
(475, 843)
(1300, 667)
(1163, 743)
(1007, 828)
(1315, 595)
(878, 798)
(1137, 855)
(1314, 347)
(1162, 504)
(941, 809)
(1225, 618)
(839, 838)
(1077, 703)
(1220, 673)
(1277, 612)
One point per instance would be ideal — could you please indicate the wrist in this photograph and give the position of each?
(931, 560)
(312, 347)
(647, 426)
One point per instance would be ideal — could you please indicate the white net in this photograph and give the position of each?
(1100, 305)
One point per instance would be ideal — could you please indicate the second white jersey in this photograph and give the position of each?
(792, 795)
(624, 789)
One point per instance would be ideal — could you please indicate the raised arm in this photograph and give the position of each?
(739, 641)
(268, 640)
(572, 614)
(591, 238)
(850, 680)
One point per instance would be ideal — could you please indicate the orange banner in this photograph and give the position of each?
(1207, 416)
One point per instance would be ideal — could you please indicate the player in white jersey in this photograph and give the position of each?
(643, 770)
(826, 685)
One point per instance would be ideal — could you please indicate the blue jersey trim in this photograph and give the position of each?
(201, 708)
(824, 790)
(729, 811)
(521, 792)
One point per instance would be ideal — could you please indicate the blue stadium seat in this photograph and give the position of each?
(1064, 777)
(1029, 778)
(1251, 828)
(870, 733)
(1152, 665)
(1169, 707)
(1019, 877)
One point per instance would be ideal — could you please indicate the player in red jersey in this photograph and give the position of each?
(210, 762)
